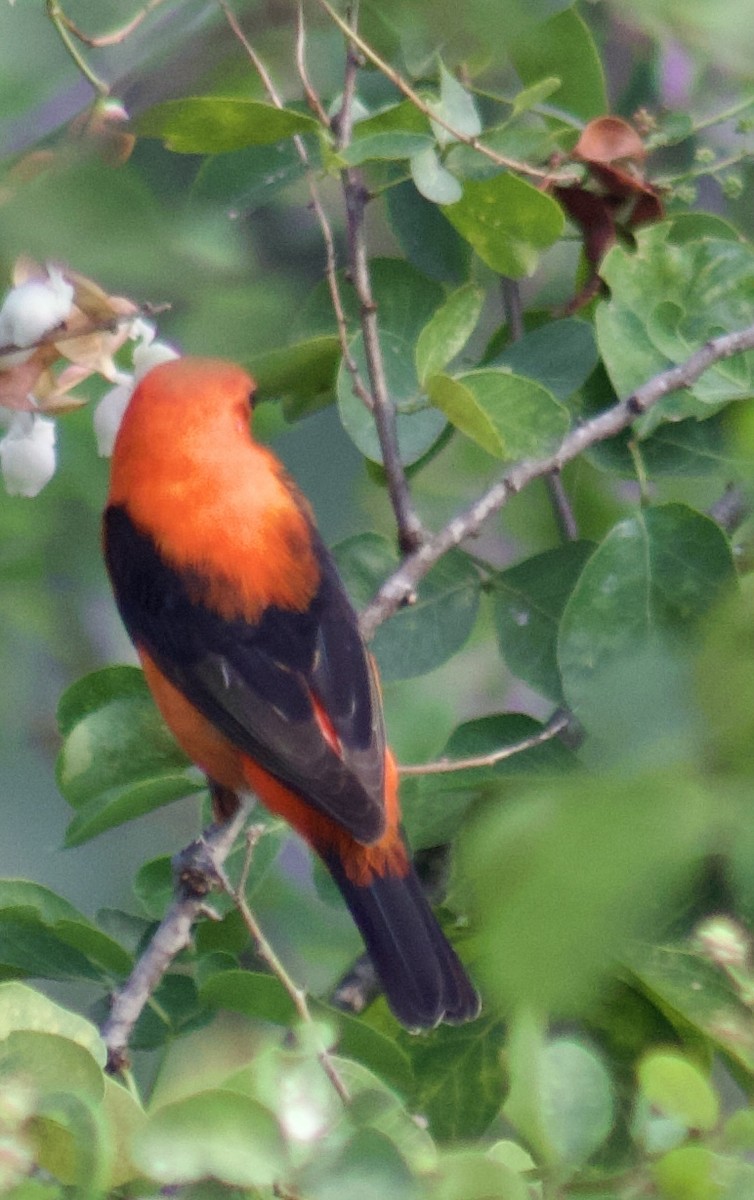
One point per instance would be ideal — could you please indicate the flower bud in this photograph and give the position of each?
(148, 355)
(108, 415)
(31, 310)
(27, 454)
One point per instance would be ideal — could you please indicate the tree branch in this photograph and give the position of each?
(197, 871)
(410, 530)
(403, 582)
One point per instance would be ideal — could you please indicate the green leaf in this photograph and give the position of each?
(691, 1173)
(249, 178)
(29, 948)
(395, 144)
(667, 300)
(93, 692)
(216, 1133)
(536, 94)
(426, 238)
(23, 1008)
(22, 893)
(432, 179)
(457, 107)
(447, 332)
(122, 804)
(507, 415)
(125, 1117)
(118, 759)
(423, 635)
(550, 933)
(560, 355)
(578, 1107)
(507, 221)
(459, 1082)
(688, 448)
(176, 1009)
(436, 807)
(695, 997)
(74, 1143)
(654, 575)
(403, 117)
(405, 300)
(418, 426)
(470, 1175)
(263, 998)
(459, 404)
(368, 1166)
(675, 1086)
(303, 370)
(49, 1062)
(63, 922)
(376, 1106)
(528, 601)
(561, 1096)
(215, 124)
(564, 47)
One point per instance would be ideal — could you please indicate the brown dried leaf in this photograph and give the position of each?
(608, 140)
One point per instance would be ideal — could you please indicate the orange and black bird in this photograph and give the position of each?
(252, 651)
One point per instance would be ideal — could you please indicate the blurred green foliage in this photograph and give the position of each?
(590, 878)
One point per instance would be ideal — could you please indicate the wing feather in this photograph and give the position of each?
(260, 683)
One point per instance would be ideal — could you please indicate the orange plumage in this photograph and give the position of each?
(252, 651)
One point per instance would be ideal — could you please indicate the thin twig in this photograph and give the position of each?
(510, 292)
(312, 97)
(197, 870)
(56, 15)
(561, 507)
(98, 41)
(403, 582)
(331, 259)
(555, 726)
(106, 325)
(410, 530)
(399, 82)
(269, 957)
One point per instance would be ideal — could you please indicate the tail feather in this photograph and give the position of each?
(423, 979)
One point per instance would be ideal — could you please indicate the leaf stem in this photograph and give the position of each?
(558, 723)
(59, 20)
(268, 955)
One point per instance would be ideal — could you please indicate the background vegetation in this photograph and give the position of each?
(602, 888)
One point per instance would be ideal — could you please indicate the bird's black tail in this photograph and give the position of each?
(422, 977)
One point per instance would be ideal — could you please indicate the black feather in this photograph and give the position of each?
(255, 681)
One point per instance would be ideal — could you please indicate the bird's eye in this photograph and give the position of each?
(252, 396)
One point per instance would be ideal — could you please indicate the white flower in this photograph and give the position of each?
(31, 310)
(150, 354)
(108, 415)
(109, 412)
(27, 454)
